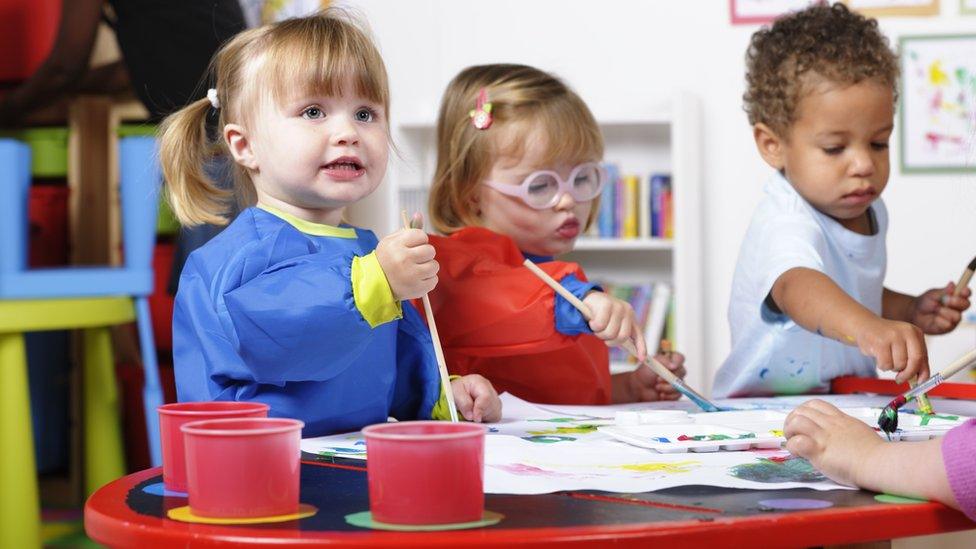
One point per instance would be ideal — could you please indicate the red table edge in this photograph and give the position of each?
(109, 521)
(850, 384)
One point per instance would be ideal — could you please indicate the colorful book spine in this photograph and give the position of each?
(630, 206)
(608, 202)
(659, 183)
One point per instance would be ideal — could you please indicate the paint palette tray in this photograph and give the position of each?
(673, 438)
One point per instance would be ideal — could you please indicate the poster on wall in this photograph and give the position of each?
(745, 12)
(881, 8)
(938, 103)
(967, 7)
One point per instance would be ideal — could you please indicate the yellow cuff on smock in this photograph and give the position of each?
(440, 410)
(371, 291)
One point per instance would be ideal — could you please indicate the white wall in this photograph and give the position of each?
(614, 52)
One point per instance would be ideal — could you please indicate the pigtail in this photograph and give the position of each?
(184, 150)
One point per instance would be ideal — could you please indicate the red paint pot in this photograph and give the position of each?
(173, 416)
(243, 468)
(425, 472)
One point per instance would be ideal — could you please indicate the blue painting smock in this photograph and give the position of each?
(300, 316)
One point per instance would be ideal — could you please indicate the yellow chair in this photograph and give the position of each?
(19, 505)
(88, 298)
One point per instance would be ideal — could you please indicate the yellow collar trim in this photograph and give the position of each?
(308, 227)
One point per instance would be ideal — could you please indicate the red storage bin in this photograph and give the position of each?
(48, 217)
(27, 32)
(160, 302)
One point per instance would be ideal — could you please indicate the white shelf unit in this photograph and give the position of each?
(660, 136)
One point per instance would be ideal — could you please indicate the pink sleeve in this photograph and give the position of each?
(958, 449)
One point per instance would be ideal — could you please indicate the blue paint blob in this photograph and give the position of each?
(159, 489)
(793, 504)
(763, 373)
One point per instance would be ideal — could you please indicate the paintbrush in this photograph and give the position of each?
(652, 363)
(888, 420)
(967, 275)
(924, 405)
(438, 352)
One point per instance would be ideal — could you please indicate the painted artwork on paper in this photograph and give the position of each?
(938, 103)
(541, 449)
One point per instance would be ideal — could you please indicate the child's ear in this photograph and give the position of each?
(240, 147)
(771, 146)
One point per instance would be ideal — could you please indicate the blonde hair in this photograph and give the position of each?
(316, 54)
(519, 96)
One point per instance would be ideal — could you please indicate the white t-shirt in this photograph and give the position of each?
(771, 354)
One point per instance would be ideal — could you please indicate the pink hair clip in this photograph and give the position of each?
(481, 114)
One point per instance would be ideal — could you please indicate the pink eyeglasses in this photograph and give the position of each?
(542, 189)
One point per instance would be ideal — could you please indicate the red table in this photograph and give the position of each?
(122, 514)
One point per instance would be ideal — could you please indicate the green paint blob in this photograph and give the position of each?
(889, 498)
(548, 439)
(770, 471)
(365, 520)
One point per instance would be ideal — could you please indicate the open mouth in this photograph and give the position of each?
(344, 165)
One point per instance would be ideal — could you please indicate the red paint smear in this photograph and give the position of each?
(645, 503)
(335, 465)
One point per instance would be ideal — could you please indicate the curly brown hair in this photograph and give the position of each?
(827, 41)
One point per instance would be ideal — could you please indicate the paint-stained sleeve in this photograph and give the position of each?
(958, 449)
(487, 303)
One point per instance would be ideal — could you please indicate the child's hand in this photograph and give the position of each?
(646, 386)
(897, 346)
(834, 442)
(408, 261)
(614, 321)
(937, 311)
(476, 399)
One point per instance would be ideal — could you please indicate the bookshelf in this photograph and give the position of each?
(660, 135)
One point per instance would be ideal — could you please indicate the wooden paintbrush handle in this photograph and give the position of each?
(959, 364)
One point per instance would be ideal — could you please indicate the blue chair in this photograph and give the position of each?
(92, 298)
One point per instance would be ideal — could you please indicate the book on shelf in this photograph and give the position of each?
(635, 207)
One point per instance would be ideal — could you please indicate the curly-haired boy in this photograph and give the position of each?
(808, 302)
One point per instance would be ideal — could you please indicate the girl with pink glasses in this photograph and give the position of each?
(517, 177)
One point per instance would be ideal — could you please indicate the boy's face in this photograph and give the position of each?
(836, 152)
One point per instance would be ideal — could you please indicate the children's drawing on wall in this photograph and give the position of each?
(262, 12)
(745, 12)
(883, 8)
(938, 103)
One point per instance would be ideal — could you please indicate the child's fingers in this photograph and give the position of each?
(799, 422)
(612, 329)
(917, 361)
(411, 237)
(882, 357)
(639, 342)
(422, 253)
(462, 400)
(899, 355)
(600, 319)
(801, 445)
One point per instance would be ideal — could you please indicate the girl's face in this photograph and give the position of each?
(547, 232)
(314, 155)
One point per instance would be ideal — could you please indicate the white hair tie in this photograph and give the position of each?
(212, 96)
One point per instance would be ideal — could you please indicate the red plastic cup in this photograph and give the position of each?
(425, 472)
(243, 468)
(173, 416)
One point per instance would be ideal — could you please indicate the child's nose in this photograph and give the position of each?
(565, 201)
(863, 164)
(344, 133)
